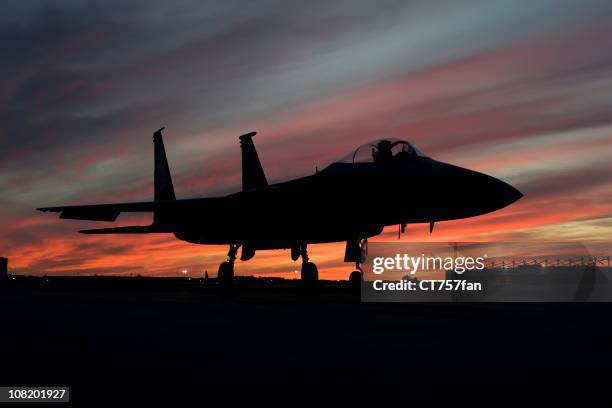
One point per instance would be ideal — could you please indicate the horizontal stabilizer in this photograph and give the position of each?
(99, 212)
(132, 229)
(98, 215)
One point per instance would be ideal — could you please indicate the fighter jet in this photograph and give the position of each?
(382, 183)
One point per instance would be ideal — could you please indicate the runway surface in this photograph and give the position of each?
(86, 334)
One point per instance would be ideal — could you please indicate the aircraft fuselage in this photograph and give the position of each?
(342, 202)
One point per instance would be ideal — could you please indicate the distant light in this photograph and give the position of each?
(184, 271)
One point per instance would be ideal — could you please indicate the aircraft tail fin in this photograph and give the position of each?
(164, 190)
(253, 175)
(162, 207)
(162, 180)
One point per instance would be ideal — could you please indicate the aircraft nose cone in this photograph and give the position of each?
(482, 194)
(473, 193)
(501, 194)
(508, 194)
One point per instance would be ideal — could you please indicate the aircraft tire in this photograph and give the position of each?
(355, 280)
(226, 273)
(310, 273)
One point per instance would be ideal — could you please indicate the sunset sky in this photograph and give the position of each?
(519, 90)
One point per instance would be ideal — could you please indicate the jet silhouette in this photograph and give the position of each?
(386, 182)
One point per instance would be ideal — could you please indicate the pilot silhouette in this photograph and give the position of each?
(381, 153)
(406, 153)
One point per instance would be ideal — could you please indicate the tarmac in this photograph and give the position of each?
(121, 333)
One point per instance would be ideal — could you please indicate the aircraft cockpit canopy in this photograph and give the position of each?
(383, 151)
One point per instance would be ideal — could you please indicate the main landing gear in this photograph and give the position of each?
(226, 269)
(356, 251)
(310, 273)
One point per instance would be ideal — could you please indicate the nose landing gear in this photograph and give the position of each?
(356, 250)
(356, 277)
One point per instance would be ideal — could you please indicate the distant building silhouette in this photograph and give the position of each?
(3, 269)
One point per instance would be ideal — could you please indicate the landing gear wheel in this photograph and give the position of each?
(226, 273)
(310, 273)
(356, 277)
(355, 280)
(226, 269)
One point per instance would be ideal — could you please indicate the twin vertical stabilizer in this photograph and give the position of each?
(162, 180)
(253, 175)
(164, 190)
